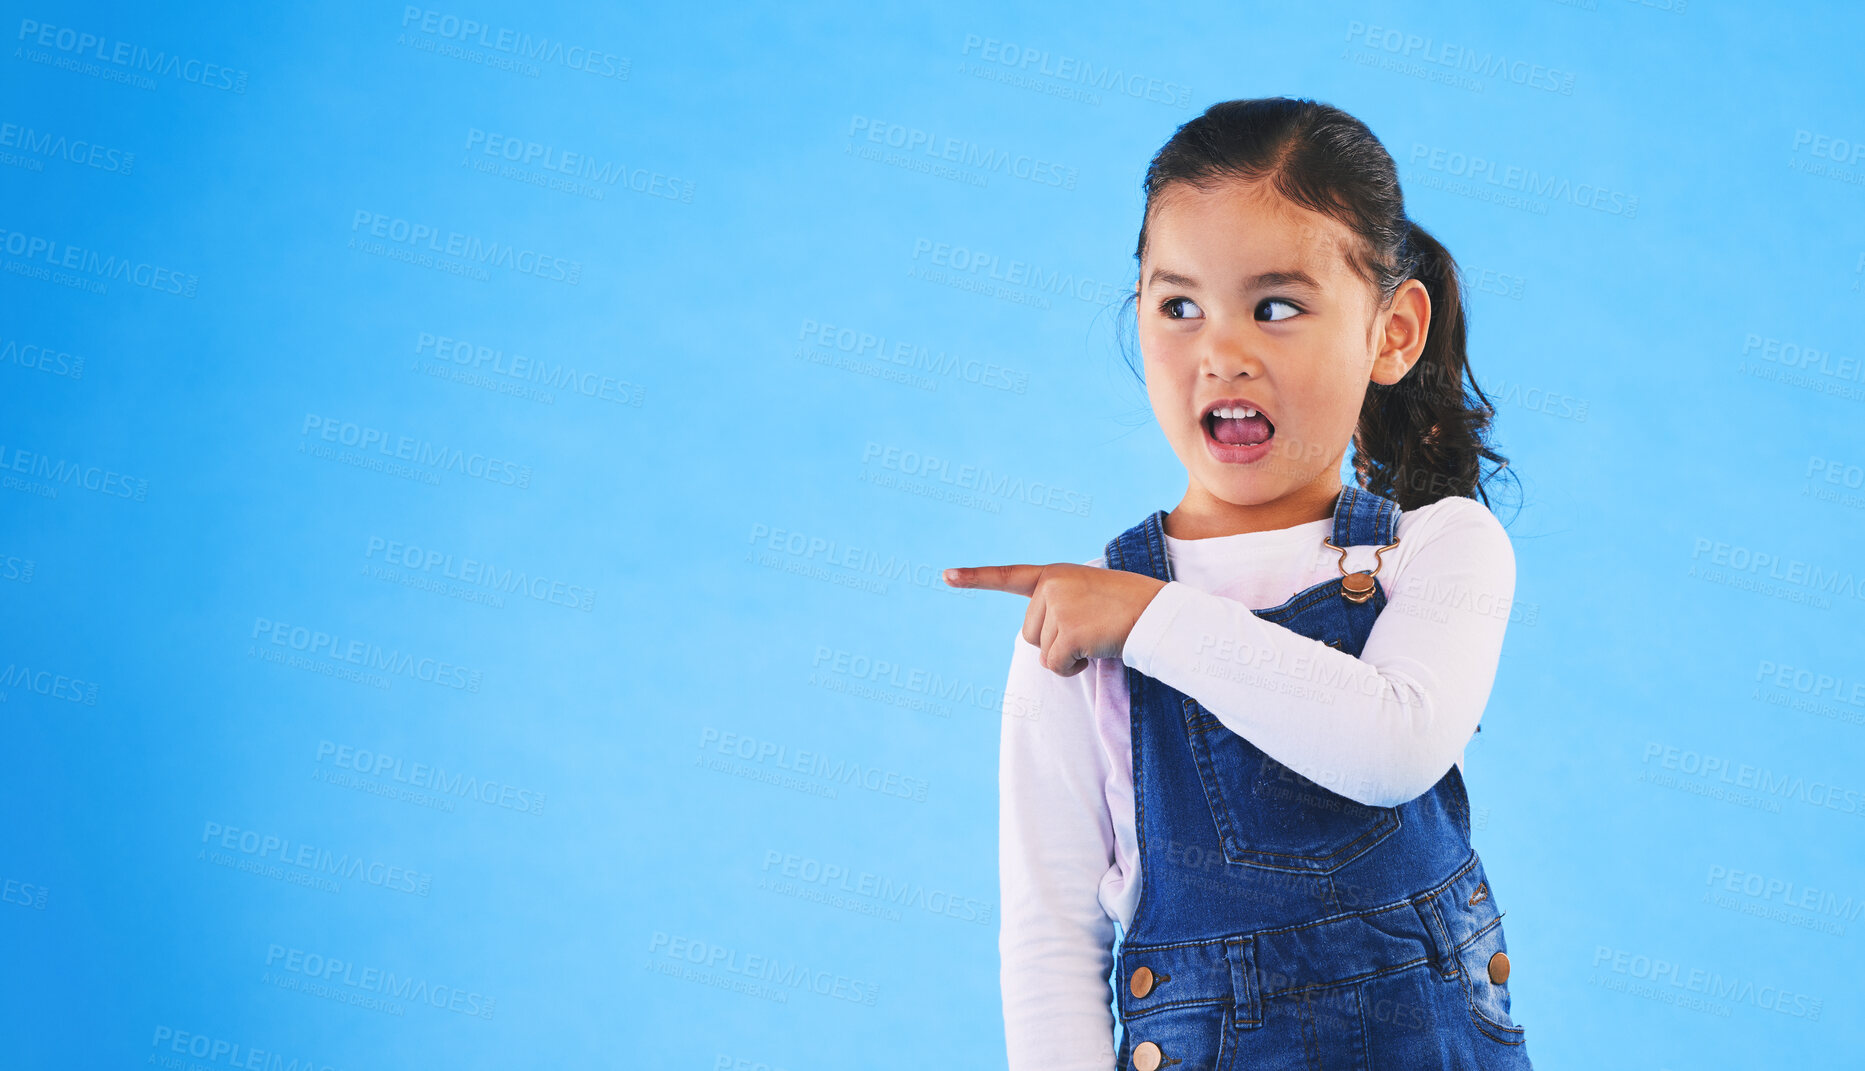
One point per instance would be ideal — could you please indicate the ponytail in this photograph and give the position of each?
(1426, 436)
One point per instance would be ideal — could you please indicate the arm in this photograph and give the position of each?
(1382, 728)
(1056, 844)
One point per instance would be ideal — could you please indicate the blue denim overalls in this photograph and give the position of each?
(1279, 924)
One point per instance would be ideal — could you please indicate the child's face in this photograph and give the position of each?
(1299, 352)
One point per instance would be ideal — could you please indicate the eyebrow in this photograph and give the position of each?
(1287, 277)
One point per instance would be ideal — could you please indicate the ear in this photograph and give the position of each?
(1401, 340)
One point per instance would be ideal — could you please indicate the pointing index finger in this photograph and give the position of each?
(1016, 579)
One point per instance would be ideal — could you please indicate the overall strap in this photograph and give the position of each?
(1142, 548)
(1362, 518)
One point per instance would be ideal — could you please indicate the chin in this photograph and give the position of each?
(1244, 492)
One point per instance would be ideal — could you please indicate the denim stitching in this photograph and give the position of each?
(1263, 993)
(1244, 967)
(1310, 1031)
(1384, 825)
(1424, 895)
(1308, 596)
(1511, 1035)
(1366, 1036)
(1207, 780)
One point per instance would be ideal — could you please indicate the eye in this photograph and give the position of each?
(1176, 308)
(1268, 302)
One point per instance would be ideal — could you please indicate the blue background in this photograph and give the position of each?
(736, 509)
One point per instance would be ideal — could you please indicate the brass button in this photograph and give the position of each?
(1146, 1057)
(1357, 587)
(1499, 968)
(1142, 982)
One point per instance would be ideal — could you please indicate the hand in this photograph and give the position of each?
(1077, 612)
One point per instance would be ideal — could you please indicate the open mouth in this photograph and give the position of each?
(1237, 425)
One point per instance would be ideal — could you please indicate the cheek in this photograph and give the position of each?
(1165, 376)
(1166, 397)
(1166, 349)
(1336, 412)
(1151, 344)
(1322, 411)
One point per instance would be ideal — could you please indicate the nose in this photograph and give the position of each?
(1229, 352)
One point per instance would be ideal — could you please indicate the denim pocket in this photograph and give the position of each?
(1269, 816)
(1489, 1000)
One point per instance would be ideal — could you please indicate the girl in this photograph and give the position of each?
(1269, 802)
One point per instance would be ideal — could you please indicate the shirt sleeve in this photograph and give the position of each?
(1055, 846)
(1382, 728)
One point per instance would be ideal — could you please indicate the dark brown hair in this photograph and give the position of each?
(1425, 437)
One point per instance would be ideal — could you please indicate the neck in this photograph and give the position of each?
(1202, 515)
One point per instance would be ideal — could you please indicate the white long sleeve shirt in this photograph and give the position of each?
(1381, 728)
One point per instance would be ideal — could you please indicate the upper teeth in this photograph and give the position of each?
(1233, 412)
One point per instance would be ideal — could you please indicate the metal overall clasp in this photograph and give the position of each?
(1358, 587)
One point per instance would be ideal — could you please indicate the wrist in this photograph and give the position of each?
(1151, 623)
